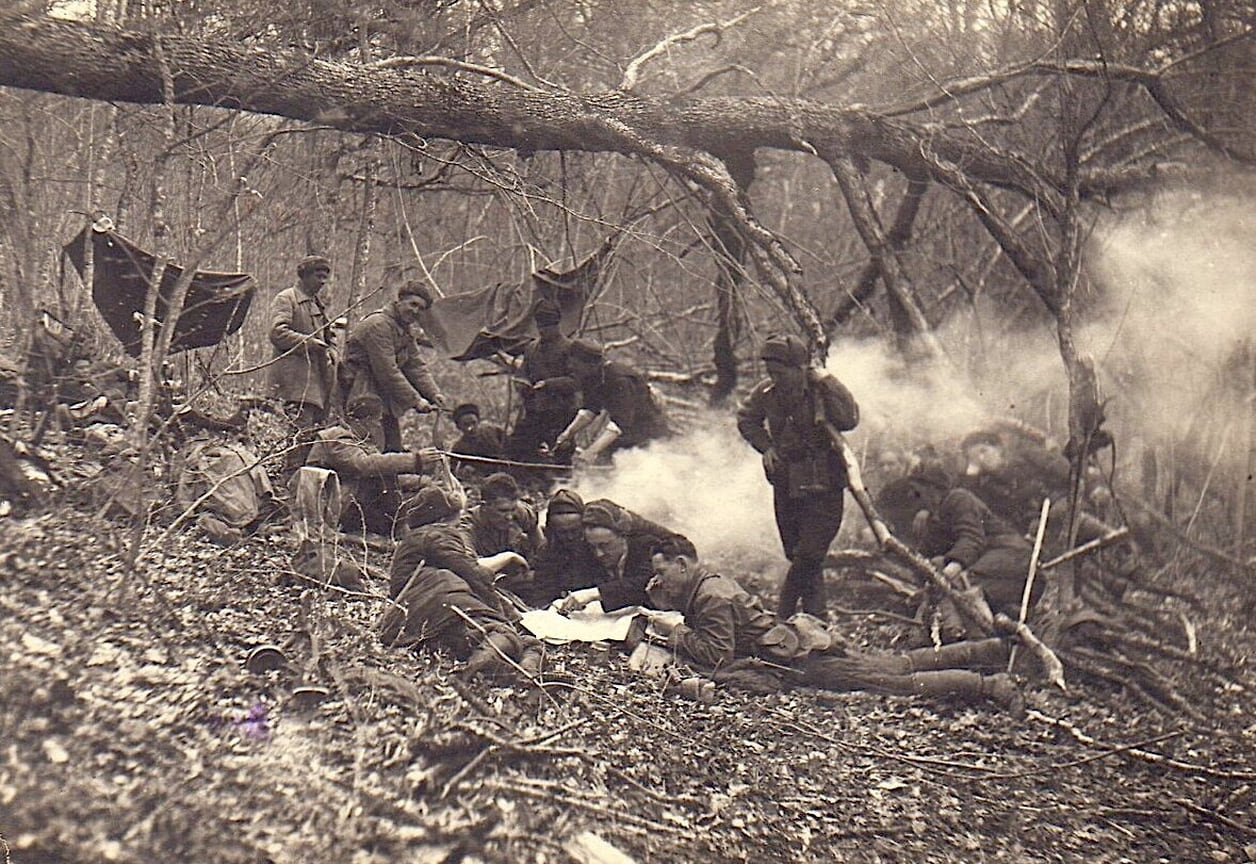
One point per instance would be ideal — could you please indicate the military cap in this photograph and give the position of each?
(786, 349)
(364, 406)
(565, 501)
(604, 513)
(431, 505)
(313, 262)
(415, 288)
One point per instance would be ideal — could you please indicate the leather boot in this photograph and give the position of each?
(971, 654)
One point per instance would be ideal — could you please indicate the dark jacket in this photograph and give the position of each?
(487, 439)
(625, 396)
(963, 529)
(445, 546)
(626, 586)
(300, 372)
(560, 566)
(425, 616)
(723, 622)
(381, 357)
(796, 430)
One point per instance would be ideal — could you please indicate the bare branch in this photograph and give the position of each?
(633, 72)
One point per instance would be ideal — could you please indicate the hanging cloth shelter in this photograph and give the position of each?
(215, 306)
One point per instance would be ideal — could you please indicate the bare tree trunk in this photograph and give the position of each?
(362, 242)
(730, 254)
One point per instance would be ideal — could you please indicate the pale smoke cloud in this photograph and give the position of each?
(1181, 298)
(707, 484)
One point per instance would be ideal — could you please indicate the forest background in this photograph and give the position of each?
(966, 207)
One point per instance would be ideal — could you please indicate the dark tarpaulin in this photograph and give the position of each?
(215, 306)
(478, 324)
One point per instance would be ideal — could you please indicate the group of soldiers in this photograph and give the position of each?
(466, 565)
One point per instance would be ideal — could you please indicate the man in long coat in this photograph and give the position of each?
(788, 418)
(302, 373)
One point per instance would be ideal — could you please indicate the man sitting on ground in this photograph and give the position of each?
(502, 522)
(371, 494)
(722, 623)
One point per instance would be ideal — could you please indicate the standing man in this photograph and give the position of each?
(547, 388)
(303, 371)
(789, 417)
(382, 357)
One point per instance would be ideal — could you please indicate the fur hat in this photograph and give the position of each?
(313, 262)
(787, 349)
(547, 312)
(415, 288)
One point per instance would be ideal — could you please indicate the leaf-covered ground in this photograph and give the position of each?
(132, 731)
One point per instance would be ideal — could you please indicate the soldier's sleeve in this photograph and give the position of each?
(381, 352)
(420, 377)
(352, 459)
(752, 417)
(709, 634)
(960, 512)
(282, 334)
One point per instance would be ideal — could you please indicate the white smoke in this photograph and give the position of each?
(707, 483)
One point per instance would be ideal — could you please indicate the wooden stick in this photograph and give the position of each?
(1138, 753)
(1033, 571)
(1114, 536)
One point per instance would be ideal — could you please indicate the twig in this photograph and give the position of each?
(1140, 754)
(1115, 751)
(499, 652)
(1214, 816)
(540, 789)
(1086, 548)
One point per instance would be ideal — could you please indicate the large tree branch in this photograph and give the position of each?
(81, 59)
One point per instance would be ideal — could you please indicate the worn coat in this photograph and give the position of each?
(446, 546)
(359, 464)
(381, 357)
(795, 428)
(300, 372)
(963, 529)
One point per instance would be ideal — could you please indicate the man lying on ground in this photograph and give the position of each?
(444, 596)
(724, 624)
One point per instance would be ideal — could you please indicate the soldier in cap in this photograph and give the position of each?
(302, 373)
(547, 389)
(382, 357)
(789, 418)
(617, 392)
